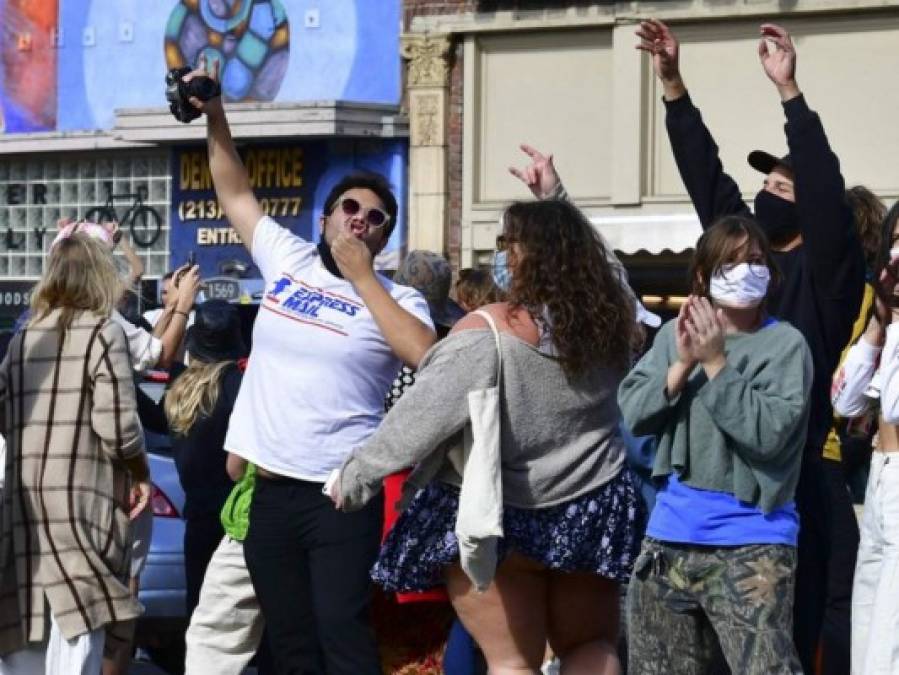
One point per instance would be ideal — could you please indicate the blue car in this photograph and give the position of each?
(160, 630)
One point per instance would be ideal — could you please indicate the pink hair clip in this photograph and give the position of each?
(91, 229)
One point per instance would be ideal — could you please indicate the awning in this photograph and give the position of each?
(654, 234)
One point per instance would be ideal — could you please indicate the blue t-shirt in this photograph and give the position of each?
(688, 515)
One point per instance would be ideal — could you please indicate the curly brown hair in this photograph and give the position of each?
(561, 264)
(868, 212)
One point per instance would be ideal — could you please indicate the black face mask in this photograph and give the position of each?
(324, 250)
(776, 216)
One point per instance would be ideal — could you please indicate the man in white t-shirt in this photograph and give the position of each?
(330, 335)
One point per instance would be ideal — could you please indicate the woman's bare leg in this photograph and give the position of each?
(583, 623)
(508, 620)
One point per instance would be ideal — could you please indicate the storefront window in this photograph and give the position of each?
(36, 191)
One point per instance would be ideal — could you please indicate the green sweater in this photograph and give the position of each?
(742, 432)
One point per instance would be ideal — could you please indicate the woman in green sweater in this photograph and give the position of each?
(725, 389)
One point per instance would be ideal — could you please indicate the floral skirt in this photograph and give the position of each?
(596, 532)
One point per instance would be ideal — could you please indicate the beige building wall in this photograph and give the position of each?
(570, 82)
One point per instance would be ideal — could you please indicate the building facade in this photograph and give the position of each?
(312, 89)
(565, 77)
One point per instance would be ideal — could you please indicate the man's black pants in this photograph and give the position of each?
(844, 540)
(310, 567)
(815, 518)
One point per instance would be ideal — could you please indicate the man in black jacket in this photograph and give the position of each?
(802, 208)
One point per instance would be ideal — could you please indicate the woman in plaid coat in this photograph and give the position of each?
(75, 467)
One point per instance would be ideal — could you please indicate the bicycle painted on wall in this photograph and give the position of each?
(141, 220)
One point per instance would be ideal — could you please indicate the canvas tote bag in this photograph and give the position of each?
(479, 523)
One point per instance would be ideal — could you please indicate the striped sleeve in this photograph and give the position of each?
(113, 408)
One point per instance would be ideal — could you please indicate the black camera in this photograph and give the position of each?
(178, 92)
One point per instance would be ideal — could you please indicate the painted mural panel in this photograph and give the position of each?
(28, 65)
(250, 40)
(67, 65)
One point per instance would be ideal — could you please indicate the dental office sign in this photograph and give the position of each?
(290, 180)
(198, 224)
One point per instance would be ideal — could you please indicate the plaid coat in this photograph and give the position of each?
(70, 421)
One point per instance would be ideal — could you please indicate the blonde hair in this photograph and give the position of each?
(194, 393)
(81, 276)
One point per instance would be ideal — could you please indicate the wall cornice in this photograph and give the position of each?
(631, 12)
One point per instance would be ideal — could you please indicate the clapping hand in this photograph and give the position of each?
(705, 326)
(682, 338)
(540, 175)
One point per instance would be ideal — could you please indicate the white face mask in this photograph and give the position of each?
(740, 286)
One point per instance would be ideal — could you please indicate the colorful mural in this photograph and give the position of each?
(27, 65)
(69, 65)
(249, 40)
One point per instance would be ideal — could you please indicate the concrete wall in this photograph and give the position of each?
(568, 80)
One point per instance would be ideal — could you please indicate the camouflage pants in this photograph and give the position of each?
(684, 601)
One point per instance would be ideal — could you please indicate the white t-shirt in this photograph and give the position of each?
(319, 369)
(152, 317)
(145, 349)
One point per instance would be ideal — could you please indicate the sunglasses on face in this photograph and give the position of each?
(374, 217)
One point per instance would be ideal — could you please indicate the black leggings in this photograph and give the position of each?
(310, 567)
(202, 536)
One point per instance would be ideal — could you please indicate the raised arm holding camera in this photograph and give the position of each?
(330, 336)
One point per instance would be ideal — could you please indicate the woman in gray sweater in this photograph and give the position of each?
(568, 502)
(725, 389)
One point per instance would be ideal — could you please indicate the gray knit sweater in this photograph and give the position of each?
(741, 433)
(559, 439)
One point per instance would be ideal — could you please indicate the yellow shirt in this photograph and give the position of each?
(832, 444)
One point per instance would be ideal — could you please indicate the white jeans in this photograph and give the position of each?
(875, 592)
(81, 656)
(226, 627)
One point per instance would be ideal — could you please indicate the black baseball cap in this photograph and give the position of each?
(766, 162)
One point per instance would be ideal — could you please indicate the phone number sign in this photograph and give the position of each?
(277, 176)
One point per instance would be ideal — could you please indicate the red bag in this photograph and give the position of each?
(393, 492)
